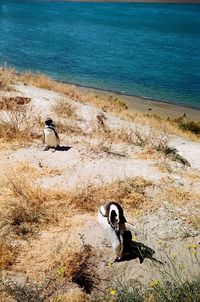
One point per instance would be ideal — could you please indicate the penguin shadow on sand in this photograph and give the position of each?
(63, 148)
(58, 148)
(135, 249)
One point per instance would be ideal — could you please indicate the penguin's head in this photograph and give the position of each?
(48, 122)
(114, 213)
(116, 216)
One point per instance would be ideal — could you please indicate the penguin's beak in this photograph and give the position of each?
(117, 227)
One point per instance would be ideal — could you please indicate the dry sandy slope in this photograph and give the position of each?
(80, 165)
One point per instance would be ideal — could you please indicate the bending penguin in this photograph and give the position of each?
(51, 138)
(118, 231)
(111, 219)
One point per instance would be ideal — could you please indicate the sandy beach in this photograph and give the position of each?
(147, 105)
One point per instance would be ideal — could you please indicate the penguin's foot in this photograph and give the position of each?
(46, 148)
(53, 150)
(117, 259)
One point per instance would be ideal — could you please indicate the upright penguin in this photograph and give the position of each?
(112, 220)
(51, 138)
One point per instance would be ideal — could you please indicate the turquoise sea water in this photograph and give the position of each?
(148, 50)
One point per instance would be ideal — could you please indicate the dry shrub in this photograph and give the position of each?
(6, 78)
(30, 205)
(186, 125)
(100, 148)
(192, 176)
(64, 109)
(172, 125)
(33, 292)
(27, 169)
(26, 203)
(130, 192)
(9, 103)
(194, 221)
(148, 138)
(19, 124)
(122, 135)
(7, 254)
(69, 129)
(24, 291)
(177, 195)
(73, 296)
(77, 296)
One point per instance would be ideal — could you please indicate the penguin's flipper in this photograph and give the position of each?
(43, 138)
(131, 228)
(58, 138)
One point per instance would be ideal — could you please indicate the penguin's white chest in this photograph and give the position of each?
(110, 233)
(50, 138)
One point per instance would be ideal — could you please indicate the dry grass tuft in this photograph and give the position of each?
(130, 192)
(19, 124)
(148, 138)
(6, 78)
(28, 205)
(176, 194)
(192, 176)
(73, 296)
(102, 147)
(187, 129)
(186, 125)
(64, 109)
(25, 291)
(69, 129)
(27, 169)
(7, 254)
(10, 103)
(25, 203)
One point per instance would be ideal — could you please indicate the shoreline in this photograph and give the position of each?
(145, 105)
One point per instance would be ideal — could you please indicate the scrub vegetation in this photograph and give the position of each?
(51, 246)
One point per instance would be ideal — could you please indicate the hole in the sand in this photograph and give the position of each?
(85, 275)
(83, 279)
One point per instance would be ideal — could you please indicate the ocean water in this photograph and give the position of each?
(148, 50)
